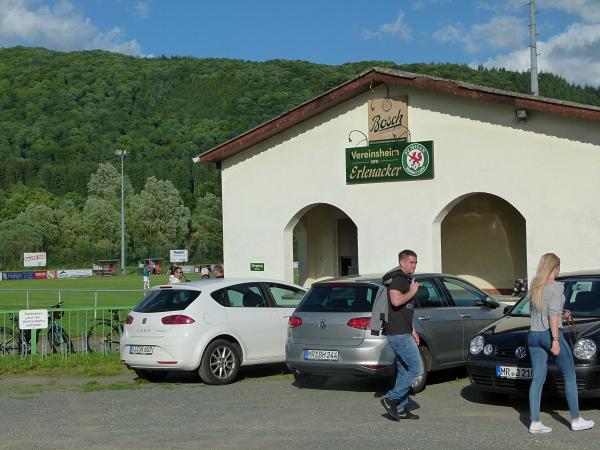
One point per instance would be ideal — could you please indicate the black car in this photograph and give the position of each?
(499, 363)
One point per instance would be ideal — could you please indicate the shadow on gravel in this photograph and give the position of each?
(520, 403)
(379, 386)
(245, 373)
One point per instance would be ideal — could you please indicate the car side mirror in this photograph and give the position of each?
(490, 302)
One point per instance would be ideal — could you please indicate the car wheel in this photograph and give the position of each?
(421, 382)
(151, 375)
(309, 380)
(220, 363)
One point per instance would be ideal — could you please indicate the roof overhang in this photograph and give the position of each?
(377, 76)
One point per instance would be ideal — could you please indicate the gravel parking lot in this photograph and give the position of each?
(265, 410)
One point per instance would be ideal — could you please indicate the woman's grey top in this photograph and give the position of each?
(553, 299)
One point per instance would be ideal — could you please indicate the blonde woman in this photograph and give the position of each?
(546, 340)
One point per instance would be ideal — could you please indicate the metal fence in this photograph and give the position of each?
(44, 298)
(79, 321)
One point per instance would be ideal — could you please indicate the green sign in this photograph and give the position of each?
(389, 161)
(257, 267)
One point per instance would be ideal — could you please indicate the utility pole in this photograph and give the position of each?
(122, 154)
(533, 48)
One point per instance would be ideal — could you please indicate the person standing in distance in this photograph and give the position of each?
(177, 275)
(146, 276)
(218, 271)
(402, 337)
(546, 340)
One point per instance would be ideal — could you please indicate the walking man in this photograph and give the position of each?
(401, 335)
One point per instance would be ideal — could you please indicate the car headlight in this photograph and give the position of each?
(488, 349)
(476, 346)
(584, 349)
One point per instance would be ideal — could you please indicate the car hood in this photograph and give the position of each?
(514, 325)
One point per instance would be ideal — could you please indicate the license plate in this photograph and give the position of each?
(514, 373)
(321, 355)
(141, 349)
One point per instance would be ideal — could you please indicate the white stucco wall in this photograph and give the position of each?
(547, 168)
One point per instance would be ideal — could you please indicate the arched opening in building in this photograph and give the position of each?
(483, 238)
(325, 244)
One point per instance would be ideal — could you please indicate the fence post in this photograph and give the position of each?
(95, 303)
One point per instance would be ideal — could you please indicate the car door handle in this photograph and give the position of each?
(465, 316)
(424, 317)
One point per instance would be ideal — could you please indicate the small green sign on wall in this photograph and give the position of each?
(257, 267)
(389, 161)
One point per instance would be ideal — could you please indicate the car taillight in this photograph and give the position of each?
(294, 321)
(362, 323)
(177, 319)
(129, 319)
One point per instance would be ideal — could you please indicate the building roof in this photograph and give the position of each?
(376, 76)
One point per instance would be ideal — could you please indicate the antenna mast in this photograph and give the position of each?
(533, 47)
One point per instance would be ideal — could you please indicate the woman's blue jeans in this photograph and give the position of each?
(539, 343)
(409, 367)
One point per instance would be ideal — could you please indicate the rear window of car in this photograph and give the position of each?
(582, 298)
(165, 300)
(337, 298)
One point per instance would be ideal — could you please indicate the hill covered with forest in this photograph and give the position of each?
(63, 115)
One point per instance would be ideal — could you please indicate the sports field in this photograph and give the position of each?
(77, 292)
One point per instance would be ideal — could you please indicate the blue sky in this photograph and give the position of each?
(494, 33)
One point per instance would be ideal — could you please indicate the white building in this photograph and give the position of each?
(510, 177)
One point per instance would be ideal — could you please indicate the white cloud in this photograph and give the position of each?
(499, 33)
(60, 27)
(573, 54)
(586, 10)
(398, 29)
(142, 9)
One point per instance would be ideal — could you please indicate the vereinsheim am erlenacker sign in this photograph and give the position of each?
(389, 161)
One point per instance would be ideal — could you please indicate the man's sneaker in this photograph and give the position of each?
(581, 424)
(408, 415)
(391, 407)
(539, 427)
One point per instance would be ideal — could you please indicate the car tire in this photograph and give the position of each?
(220, 363)
(421, 382)
(153, 376)
(309, 380)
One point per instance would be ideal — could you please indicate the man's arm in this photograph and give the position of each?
(397, 298)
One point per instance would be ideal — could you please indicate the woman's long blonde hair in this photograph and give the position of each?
(547, 264)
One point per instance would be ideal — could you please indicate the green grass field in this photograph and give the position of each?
(86, 301)
(45, 293)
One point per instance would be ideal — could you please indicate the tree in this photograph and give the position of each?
(206, 238)
(158, 218)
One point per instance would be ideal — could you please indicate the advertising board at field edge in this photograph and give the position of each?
(176, 256)
(35, 259)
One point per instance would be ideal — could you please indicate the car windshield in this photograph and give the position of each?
(582, 298)
(165, 300)
(339, 298)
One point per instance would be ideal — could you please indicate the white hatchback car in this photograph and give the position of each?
(213, 326)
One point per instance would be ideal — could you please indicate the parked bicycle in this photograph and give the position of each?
(14, 341)
(105, 335)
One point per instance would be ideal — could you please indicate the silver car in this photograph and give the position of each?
(329, 333)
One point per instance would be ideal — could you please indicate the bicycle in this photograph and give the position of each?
(105, 335)
(12, 338)
(14, 341)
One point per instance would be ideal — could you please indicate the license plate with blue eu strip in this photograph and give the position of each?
(141, 349)
(321, 355)
(514, 373)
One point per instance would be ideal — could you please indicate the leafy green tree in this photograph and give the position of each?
(206, 238)
(158, 217)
